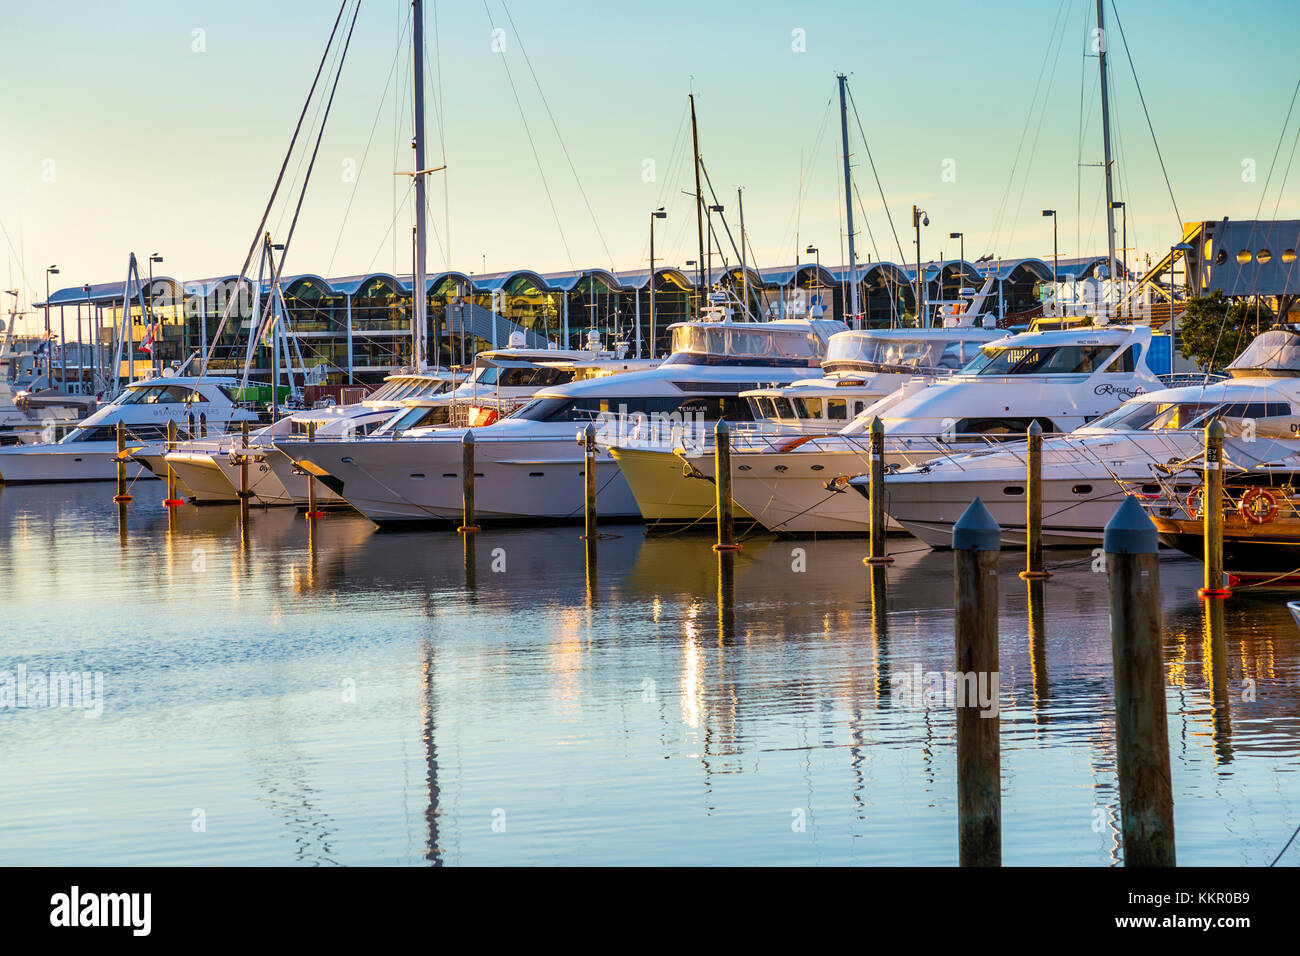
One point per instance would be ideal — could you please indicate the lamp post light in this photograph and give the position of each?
(1184, 248)
(94, 343)
(708, 238)
(1117, 204)
(817, 253)
(49, 366)
(919, 218)
(961, 268)
(657, 214)
(1055, 279)
(153, 358)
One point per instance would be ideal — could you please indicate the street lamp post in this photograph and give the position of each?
(817, 253)
(49, 355)
(708, 234)
(1184, 248)
(919, 218)
(657, 214)
(1123, 248)
(961, 268)
(1052, 213)
(153, 358)
(94, 343)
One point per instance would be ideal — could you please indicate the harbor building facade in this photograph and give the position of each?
(357, 329)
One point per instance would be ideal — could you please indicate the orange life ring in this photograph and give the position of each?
(794, 443)
(1248, 509)
(1193, 500)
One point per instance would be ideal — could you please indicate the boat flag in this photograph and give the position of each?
(146, 344)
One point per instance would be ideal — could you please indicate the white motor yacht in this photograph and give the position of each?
(88, 452)
(529, 465)
(1061, 379)
(1082, 472)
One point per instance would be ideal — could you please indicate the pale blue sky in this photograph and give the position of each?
(156, 147)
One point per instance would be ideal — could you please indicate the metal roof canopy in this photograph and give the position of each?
(772, 277)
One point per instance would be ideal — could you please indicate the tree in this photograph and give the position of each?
(1216, 329)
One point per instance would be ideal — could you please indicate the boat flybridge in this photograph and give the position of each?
(1085, 473)
(207, 467)
(528, 464)
(144, 407)
(860, 368)
(1061, 379)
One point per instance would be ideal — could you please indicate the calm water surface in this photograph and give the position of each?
(369, 700)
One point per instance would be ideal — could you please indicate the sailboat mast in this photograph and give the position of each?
(419, 294)
(848, 205)
(1105, 140)
(699, 204)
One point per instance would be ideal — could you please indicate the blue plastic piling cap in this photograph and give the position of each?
(877, 426)
(468, 437)
(1130, 531)
(976, 530)
(722, 428)
(1035, 429)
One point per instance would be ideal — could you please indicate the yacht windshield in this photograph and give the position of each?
(1157, 416)
(418, 416)
(849, 349)
(526, 376)
(744, 344)
(158, 395)
(1044, 360)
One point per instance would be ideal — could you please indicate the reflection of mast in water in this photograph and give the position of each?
(286, 791)
(428, 709)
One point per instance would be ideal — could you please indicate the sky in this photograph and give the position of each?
(160, 126)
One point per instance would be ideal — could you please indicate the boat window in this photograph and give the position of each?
(1045, 360)
(1131, 415)
(837, 409)
(1127, 361)
(588, 409)
(783, 408)
(808, 407)
(525, 377)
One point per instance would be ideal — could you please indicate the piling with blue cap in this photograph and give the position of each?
(1142, 737)
(976, 543)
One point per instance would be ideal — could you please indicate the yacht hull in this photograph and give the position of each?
(81, 461)
(419, 480)
(200, 474)
(928, 507)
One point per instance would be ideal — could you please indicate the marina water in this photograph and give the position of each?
(370, 700)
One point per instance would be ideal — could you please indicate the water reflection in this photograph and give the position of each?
(674, 707)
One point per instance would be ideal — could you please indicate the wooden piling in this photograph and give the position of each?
(244, 493)
(467, 525)
(122, 496)
(876, 553)
(173, 499)
(722, 484)
(1212, 506)
(203, 424)
(1141, 732)
(1034, 507)
(313, 512)
(976, 543)
(589, 482)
